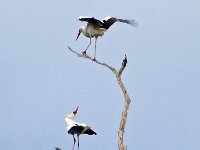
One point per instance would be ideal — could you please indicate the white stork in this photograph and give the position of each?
(77, 128)
(96, 28)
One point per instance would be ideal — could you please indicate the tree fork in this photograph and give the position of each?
(127, 99)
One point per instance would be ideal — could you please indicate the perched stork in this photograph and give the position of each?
(96, 28)
(77, 128)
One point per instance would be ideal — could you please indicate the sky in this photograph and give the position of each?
(41, 80)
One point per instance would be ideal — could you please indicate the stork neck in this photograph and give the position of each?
(84, 30)
(69, 121)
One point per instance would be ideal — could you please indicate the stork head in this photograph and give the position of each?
(73, 114)
(82, 29)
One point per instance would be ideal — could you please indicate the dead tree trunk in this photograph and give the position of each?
(126, 96)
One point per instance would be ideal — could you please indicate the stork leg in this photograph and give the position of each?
(78, 141)
(84, 52)
(94, 59)
(74, 142)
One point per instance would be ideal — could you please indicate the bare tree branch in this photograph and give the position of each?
(123, 88)
(96, 61)
(123, 66)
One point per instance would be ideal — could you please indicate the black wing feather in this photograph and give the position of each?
(89, 132)
(112, 20)
(92, 21)
(109, 22)
(79, 129)
(131, 22)
(76, 130)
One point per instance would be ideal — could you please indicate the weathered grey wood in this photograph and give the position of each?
(123, 88)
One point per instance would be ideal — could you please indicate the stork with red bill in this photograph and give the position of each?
(77, 128)
(96, 28)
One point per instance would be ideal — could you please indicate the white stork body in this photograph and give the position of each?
(91, 31)
(96, 28)
(77, 128)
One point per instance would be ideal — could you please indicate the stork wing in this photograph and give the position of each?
(108, 21)
(76, 130)
(91, 20)
(90, 132)
(131, 22)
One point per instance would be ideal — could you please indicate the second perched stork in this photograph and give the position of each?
(77, 128)
(96, 28)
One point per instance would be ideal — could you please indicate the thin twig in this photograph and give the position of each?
(96, 61)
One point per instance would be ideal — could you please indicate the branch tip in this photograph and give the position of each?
(124, 61)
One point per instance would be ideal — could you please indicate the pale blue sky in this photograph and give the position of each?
(41, 81)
